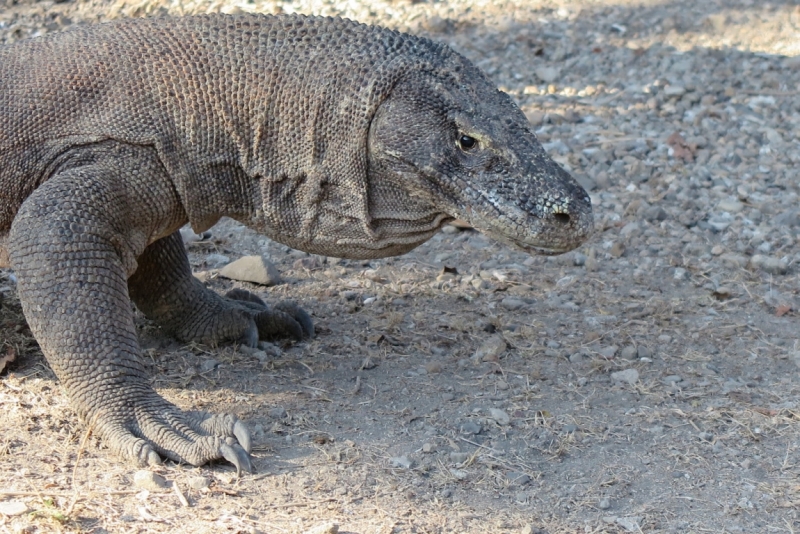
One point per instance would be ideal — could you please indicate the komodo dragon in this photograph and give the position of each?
(326, 135)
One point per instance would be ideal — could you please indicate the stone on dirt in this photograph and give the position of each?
(629, 376)
(11, 508)
(490, 350)
(255, 269)
(150, 481)
(324, 528)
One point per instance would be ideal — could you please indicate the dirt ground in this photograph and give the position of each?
(647, 382)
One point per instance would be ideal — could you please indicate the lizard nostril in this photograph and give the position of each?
(563, 218)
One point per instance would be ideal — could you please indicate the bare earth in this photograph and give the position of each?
(647, 382)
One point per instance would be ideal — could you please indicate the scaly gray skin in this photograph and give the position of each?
(326, 135)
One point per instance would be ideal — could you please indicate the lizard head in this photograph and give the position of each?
(446, 143)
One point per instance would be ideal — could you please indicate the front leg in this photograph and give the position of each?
(73, 244)
(164, 289)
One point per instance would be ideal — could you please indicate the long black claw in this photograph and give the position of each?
(153, 458)
(242, 435)
(299, 315)
(237, 456)
(305, 321)
(273, 323)
(249, 337)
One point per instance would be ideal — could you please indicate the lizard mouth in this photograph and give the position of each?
(552, 250)
(550, 236)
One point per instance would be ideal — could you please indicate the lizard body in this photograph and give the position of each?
(326, 135)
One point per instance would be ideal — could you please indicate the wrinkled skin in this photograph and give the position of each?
(325, 135)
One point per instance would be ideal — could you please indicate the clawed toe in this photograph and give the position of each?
(242, 435)
(298, 314)
(243, 295)
(274, 323)
(236, 455)
(286, 319)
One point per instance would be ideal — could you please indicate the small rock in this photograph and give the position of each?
(470, 427)
(769, 264)
(578, 259)
(671, 379)
(428, 447)
(631, 524)
(500, 416)
(787, 219)
(547, 74)
(436, 24)
(630, 376)
(13, 508)
(217, 260)
(324, 528)
(520, 479)
(309, 263)
(270, 349)
(731, 206)
(433, 367)
(706, 436)
(674, 90)
(792, 62)
(608, 352)
(279, 412)
(655, 214)
(199, 483)
(644, 352)
(459, 474)
(149, 480)
(629, 353)
(231, 10)
(734, 260)
(604, 504)
(512, 304)
(209, 365)
(719, 223)
(400, 461)
(577, 357)
(459, 457)
(254, 269)
(490, 350)
(632, 228)
(349, 295)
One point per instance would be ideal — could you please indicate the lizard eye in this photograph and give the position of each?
(467, 143)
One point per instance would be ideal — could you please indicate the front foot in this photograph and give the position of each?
(239, 317)
(146, 431)
(285, 320)
(164, 289)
